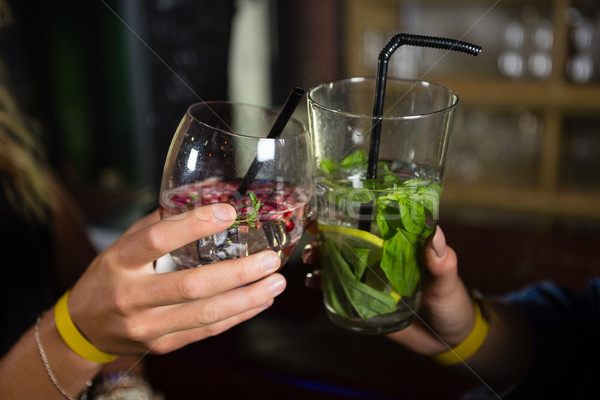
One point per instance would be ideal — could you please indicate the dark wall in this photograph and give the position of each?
(110, 80)
(309, 43)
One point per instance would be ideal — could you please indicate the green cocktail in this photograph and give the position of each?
(372, 230)
(372, 278)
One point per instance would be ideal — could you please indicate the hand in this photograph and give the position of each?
(446, 315)
(124, 307)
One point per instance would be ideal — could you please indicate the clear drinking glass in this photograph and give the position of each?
(212, 151)
(372, 231)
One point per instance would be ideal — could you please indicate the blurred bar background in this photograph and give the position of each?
(110, 80)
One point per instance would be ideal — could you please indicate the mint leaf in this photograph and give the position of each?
(328, 166)
(399, 263)
(357, 259)
(371, 184)
(412, 214)
(251, 212)
(366, 301)
(333, 290)
(360, 195)
(389, 178)
(388, 218)
(430, 197)
(354, 160)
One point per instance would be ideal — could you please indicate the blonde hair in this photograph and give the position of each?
(22, 173)
(22, 162)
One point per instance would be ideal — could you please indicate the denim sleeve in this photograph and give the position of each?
(566, 328)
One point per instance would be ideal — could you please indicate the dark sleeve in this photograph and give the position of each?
(566, 328)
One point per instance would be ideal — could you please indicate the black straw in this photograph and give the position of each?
(282, 119)
(382, 66)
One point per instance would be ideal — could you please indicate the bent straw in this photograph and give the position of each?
(382, 66)
(282, 119)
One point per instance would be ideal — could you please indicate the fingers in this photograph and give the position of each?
(142, 310)
(176, 340)
(207, 316)
(157, 239)
(441, 261)
(197, 283)
(446, 309)
(310, 253)
(224, 305)
(312, 227)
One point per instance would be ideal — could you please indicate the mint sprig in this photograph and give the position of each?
(251, 213)
(406, 209)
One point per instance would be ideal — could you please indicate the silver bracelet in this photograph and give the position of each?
(47, 365)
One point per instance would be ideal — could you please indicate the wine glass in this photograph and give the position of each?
(221, 153)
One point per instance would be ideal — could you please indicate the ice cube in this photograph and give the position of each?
(208, 247)
(233, 244)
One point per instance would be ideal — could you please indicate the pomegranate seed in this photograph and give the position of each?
(288, 225)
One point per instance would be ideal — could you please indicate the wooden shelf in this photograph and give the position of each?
(563, 204)
(530, 94)
(554, 100)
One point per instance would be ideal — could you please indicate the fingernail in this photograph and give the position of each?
(266, 305)
(269, 262)
(439, 243)
(223, 212)
(312, 280)
(306, 253)
(277, 285)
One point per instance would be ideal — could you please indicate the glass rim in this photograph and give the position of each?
(303, 131)
(412, 82)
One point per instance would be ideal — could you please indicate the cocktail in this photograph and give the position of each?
(374, 218)
(226, 152)
(380, 153)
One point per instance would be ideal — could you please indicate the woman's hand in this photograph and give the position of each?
(447, 315)
(124, 307)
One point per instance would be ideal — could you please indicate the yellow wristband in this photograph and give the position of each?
(73, 338)
(471, 344)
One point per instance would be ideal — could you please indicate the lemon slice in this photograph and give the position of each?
(395, 295)
(351, 238)
(354, 235)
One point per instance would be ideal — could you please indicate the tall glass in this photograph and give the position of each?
(216, 146)
(372, 231)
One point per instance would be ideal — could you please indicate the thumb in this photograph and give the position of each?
(442, 264)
